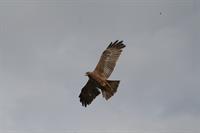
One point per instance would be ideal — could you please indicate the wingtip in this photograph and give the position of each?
(117, 44)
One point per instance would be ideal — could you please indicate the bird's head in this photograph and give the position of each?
(87, 73)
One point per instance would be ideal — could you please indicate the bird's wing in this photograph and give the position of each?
(109, 58)
(88, 93)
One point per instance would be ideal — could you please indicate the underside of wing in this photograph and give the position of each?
(109, 58)
(88, 93)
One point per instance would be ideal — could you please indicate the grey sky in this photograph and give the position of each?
(47, 46)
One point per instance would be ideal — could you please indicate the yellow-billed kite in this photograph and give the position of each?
(98, 79)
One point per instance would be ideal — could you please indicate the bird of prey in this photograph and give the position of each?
(98, 79)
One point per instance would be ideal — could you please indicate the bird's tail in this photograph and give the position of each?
(110, 89)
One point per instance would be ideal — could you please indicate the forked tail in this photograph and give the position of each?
(110, 89)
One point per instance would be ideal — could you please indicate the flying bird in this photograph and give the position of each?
(98, 79)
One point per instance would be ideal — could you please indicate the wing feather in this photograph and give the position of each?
(109, 58)
(88, 93)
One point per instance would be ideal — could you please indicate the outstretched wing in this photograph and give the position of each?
(109, 58)
(88, 93)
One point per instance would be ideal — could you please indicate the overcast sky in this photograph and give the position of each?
(47, 46)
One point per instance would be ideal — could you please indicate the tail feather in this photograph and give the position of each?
(111, 89)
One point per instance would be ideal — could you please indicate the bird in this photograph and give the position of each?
(98, 79)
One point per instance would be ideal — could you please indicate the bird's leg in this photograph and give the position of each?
(109, 86)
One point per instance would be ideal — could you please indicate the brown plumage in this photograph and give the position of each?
(98, 79)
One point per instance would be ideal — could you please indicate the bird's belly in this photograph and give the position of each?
(99, 81)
